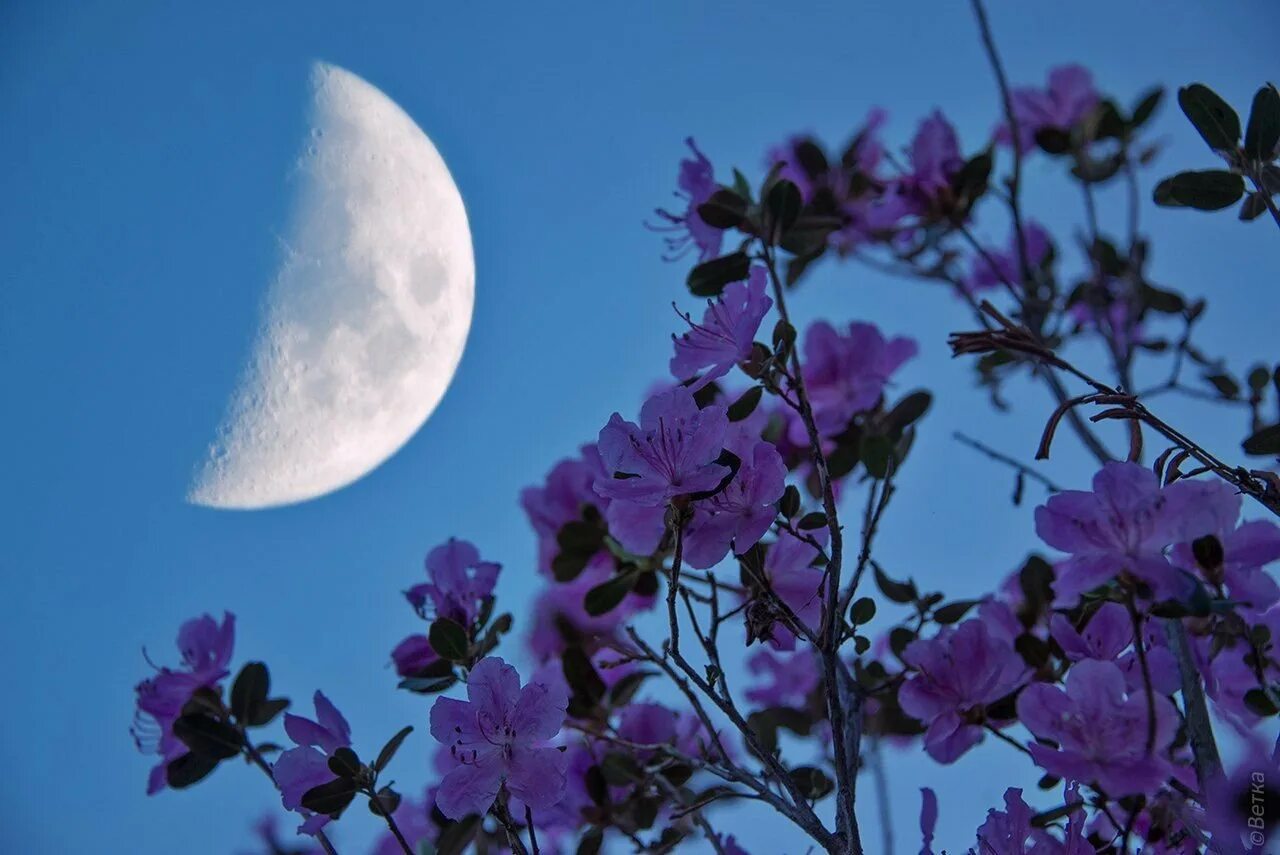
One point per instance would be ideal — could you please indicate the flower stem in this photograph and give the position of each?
(381, 811)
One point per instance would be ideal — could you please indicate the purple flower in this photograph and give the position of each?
(497, 736)
(1010, 832)
(792, 578)
(727, 331)
(413, 656)
(1069, 98)
(791, 679)
(846, 374)
(306, 766)
(206, 648)
(1107, 635)
(1245, 549)
(742, 513)
(268, 833)
(958, 672)
(997, 268)
(413, 818)
(672, 452)
(1228, 671)
(1111, 307)
(935, 159)
(1124, 525)
(562, 499)
(647, 723)
(459, 582)
(1243, 805)
(1100, 729)
(560, 618)
(696, 183)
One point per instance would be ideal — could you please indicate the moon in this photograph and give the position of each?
(365, 322)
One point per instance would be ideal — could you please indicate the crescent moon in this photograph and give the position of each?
(366, 320)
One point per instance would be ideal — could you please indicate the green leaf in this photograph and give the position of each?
(208, 736)
(811, 521)
(876, 454)
(1253, 207)
(190, 768)
(709, 278)
(449, 640)
(952, 612)
(782, 206)
(388, 799)
(620, 769)
(1205, 190)
(389, 750)
(898, 592)
(1146, 107)
(909, 410)
(249, 691)
(1216, 122)
(605, 597)
(457, 836)
(583, 680)
(427, 685)
(332, 798)
(725, 209)
(268, 710)
(1263, 132)
(789, 504)
(344, 762)
(1264, 442)
(591, 842)
(862, 611)
(746, 404)
(812, 782)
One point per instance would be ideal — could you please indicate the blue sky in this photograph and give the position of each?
(145, 156)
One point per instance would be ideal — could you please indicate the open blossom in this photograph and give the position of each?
(307, 765)
(672, 452)
(790, 679)
(1106, 637)
(998, 268)
(647, 723)
(696, 183)
(459, 582)
(740, 514)
(1101, 730)
(1229, 672)
(791, 577)
(498, 737)
(562, 499)
(1244, 550)
(958, 672)
(846, 374)
(560, 618)
(1067, 100)
(413, 655)
(1011, 832)
(1124, 525)
(205, 646)
(935, 159)
(1246, 800)
(727, 331)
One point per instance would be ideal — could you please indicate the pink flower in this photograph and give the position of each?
(846, 374)
(958, 672)
(726, 334)
(307, 766)
(1100, 729)
(459, 582)
(497, 736)
(742, 513)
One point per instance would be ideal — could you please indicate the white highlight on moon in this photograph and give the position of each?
(367, 318)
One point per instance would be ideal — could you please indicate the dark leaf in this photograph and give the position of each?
(344, 762)
(1263, 131)
(583, 680)
(909, 410)
(899, 638)
(591, 842)
(709, 278)
(1225, 384)
(782, 206)
(385, 803)
(876, 454)
(449, 640)
(1042, 820)
(190, 768)
(1159, 300)
(1208, 552)
(1264, 442)
(1146, 107)
(862, 611)
(1253, 207)
(898, 592)
(677, 773)
(1260, 703)
(952, 612)
(457, 836)
(620, 769)
(789, 504)
(812, 782)
(606, 596)
(810, 521)
(625, 689)
(332, 798)
(746, 404)
(389, 750)
(427, 685)
(208, 736)
(1053, 140)
(249, 691)
(1217, 123)
(724, 210)
(1034, 651)
(1259, 377)
(1206, 190)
